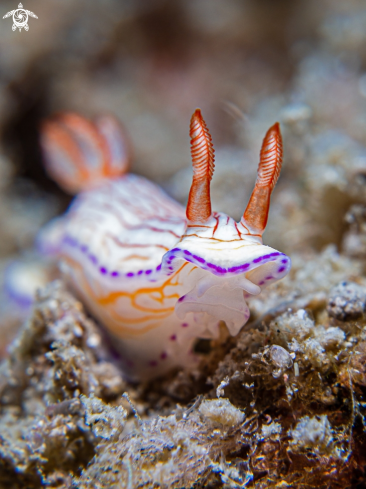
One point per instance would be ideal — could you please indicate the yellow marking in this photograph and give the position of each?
(134, 331)
(135, 257)
(113, 296)
(236, 248)
(213, 239)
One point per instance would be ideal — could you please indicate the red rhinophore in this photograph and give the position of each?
(79, 154)
(199, 201)
(256, 213)
(270, 158)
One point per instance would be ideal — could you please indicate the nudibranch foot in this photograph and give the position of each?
(167, 348)
(156, 277)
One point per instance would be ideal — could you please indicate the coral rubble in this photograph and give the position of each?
(287, 395)
(56, 359)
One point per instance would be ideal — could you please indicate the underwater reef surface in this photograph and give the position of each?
(281, 405)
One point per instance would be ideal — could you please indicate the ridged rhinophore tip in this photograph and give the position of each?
(270, 162)
(197, 114)
(199, 202)
(270, 157)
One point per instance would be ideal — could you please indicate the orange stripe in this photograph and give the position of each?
(146, 290)
(113, 296)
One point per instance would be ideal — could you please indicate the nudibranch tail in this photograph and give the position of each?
(80, 154)
(199, 201)
(256, 214)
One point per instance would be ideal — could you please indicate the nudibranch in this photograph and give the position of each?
(156, 277)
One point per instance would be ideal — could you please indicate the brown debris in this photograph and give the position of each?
(55, 359)
(347, 301)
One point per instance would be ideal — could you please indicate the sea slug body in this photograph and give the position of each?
(155, 275)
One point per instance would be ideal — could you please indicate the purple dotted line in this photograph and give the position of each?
(103, 270)
(238, 268)
(193, 258)
(170, 259)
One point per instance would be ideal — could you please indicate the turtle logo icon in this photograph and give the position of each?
(20, 17)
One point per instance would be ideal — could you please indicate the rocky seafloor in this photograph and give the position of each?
(283, 403)
(280, 405)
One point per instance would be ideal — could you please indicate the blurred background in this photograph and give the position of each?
(245, 63)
